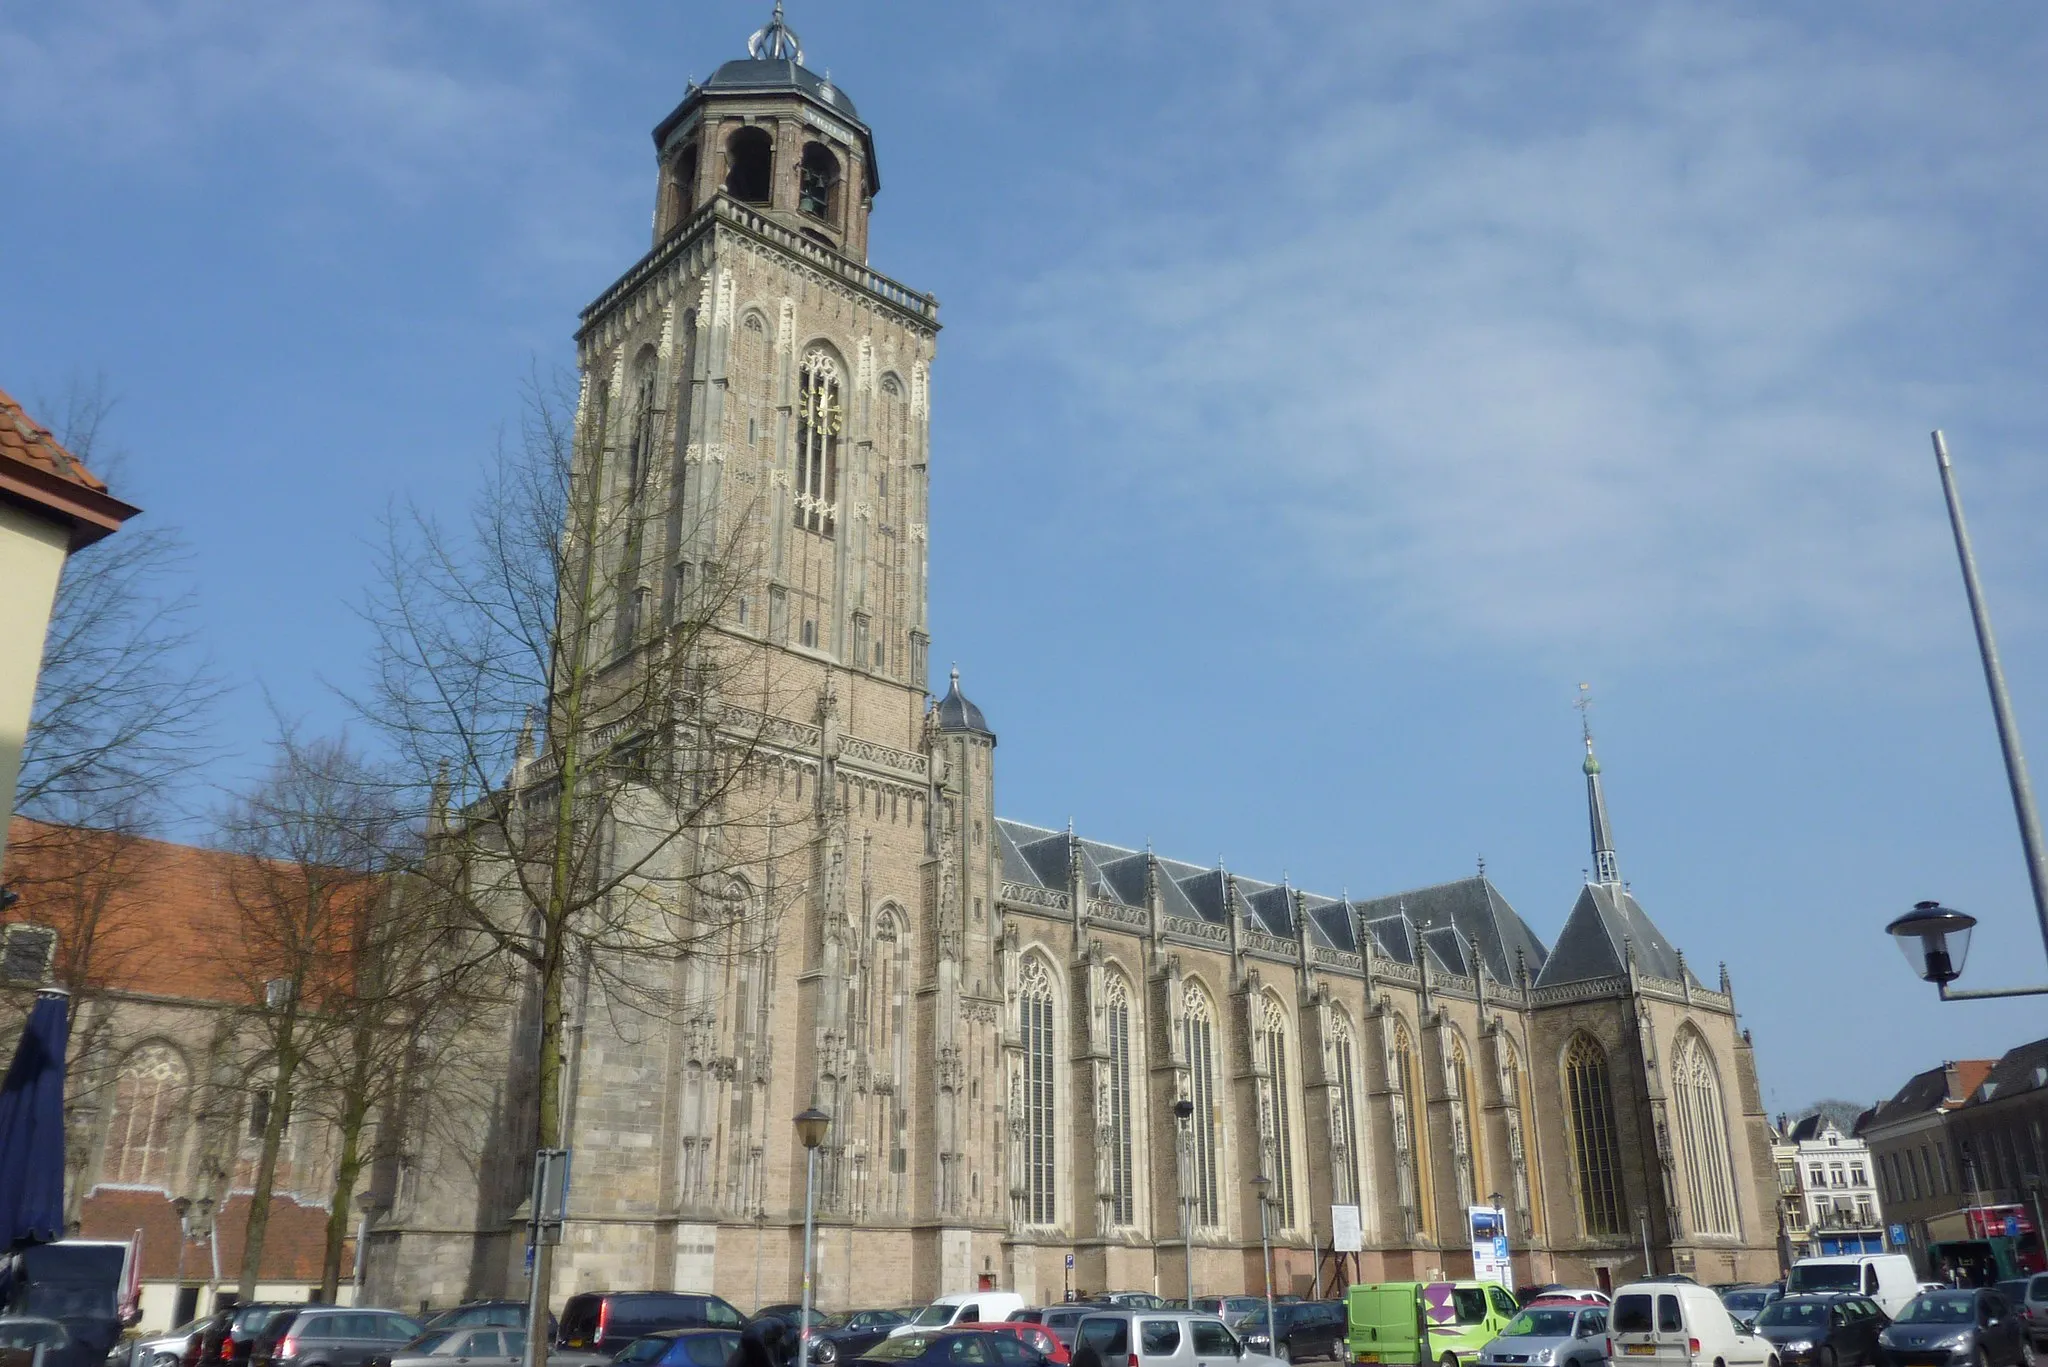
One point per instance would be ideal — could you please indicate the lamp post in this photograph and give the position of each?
(1260, 1185)
(1643, 1221)
(810, 1128)
(1494, 1199)
(1184, 1113)
(183, 1205)
(1936, 940)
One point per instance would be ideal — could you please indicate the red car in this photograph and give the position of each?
(1036, 1337)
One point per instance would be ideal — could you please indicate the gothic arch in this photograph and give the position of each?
(1038, 1014)
(1467, 1151)
(149, 1089)
(1347, 1118)
(1123, 1036)
(1280, 1161)
(1411, 1127)
(1519, 1127)
(823, 383)
(1703, 1135)
(1199, 1041)
(1591, 1123)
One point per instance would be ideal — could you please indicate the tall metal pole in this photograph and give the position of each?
(1187, 1209)
(1266, 1243)
(2001, 704)
(803, 1341)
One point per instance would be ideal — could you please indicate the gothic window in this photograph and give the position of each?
(1344, 1126)
(1034, 998)
(1122, 1178)
(1414, 1159)
(147, 1090)
(639, 460)
(1703, 1135)
(817, 443)
(1198, 1025)
(750, 165)
(1468, 1121)
(1281, 1129)
(818, 181)
(1589, 1102)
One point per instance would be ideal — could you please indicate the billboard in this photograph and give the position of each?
(1490, 1262)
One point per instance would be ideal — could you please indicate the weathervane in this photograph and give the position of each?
(776, 41)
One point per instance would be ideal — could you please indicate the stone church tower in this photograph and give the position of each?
(1004, 1020)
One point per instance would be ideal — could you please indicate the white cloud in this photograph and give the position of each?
(1634, 324)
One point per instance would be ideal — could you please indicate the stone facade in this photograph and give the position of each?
(1000, 1018)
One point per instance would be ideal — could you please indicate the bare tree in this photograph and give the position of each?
(553, 676)
(314, 838)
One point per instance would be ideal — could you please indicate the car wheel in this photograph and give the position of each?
(1281, 1351)
(2026, 1351)
(1448, 1360)
(166, 1360)
(1826, 1356)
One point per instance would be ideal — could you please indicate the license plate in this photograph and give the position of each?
(1368, 1357)
(1640, 1349)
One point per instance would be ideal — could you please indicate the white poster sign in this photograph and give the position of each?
(1347, 1231)
(1490, 1261)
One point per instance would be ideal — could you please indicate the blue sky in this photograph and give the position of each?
(1326, 390)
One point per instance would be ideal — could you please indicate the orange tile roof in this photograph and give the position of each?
(1971, 1073)
(35, 469)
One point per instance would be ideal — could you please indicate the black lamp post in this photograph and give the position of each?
(1936, 940)
(1184, 1112)
(811, 1126)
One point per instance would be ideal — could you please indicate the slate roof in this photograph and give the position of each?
(1605, 924)
(1447, 922)
(2020, 1069)
(1927, 1091)
(955, 713)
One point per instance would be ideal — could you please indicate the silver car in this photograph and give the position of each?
(478, 1347)
(1551, 1336)
(164, 1350)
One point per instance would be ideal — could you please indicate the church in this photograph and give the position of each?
(1051, 1064)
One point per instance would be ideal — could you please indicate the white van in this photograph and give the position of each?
(962, 1307)
(1681, 1325)
(1887, 1278)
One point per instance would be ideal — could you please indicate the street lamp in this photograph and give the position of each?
(1936, 940)
(1184, 1112)
(1261, 1184)
(810, 1129)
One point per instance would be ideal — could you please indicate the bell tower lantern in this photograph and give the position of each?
(773, 135)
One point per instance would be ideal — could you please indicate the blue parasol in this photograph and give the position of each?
(32, 1127)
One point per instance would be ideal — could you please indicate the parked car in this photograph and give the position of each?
(1036, 1337)
(326, 1336)
(1130, 1300)
(1887, 1278)
(597, 1324)
(229, 1334)
(962, 1307)
(1679, 1324)
(1059, 1320)
(478, 1314)
(479, 1347)
(1159, 1338)
(1228, 1308)
(2037, 1307)
(1555, 1293)
(1973, 1325)
(681, 1348)
(952, 1348)
(1300, 1330)
(1827, 1331)
(164, 1350)
(1746, 1302)
(851, 1334)
(1554, 1334)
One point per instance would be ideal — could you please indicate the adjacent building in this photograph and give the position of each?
(1002, 1017)
(1828, 1192)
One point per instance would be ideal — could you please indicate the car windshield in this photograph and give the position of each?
(1792, 1314)
(429, 1341)
(1747, 1302)
(899, 1348)
(644, 1350)
(1541, 1324)
(1943, 1307)
(935, 1314)
(1825, 1277)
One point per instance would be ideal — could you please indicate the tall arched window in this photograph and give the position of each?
(1280, 1124)
(818, 424)
(1470, 1161)
(1414, 1155)
(1589, 1100)
(749, 165)
(1703, 1134)
(1198, 1027)
(1034, 1006)
(1344, 1118)
(889, 1051)
(1520, 1127)
(147, 1091)
(1123, 1200)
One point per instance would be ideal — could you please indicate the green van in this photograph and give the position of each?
(1439, 1324)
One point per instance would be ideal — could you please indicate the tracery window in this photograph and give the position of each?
(1280, 1129)
(1198, 1027)
(1344, 1125)
(146, 1094)
(1414, 1159)
(1468, 1123)
(1122, 1179)
(818, 424)
(1589, 1101)
(1034, 1004)
(1703, 1135)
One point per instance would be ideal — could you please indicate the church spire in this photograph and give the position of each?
(1606, 868)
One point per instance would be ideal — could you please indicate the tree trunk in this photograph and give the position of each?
(266, 1166)
(354, 1116)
